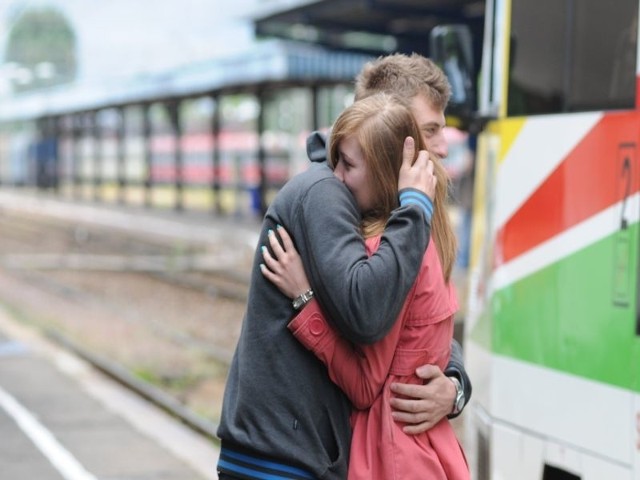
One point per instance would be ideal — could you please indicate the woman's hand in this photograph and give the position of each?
(417, 174)
(284, 269)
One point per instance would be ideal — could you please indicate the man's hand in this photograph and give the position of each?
(427, 404)
(418, 174)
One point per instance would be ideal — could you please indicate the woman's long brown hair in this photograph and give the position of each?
(381, 123)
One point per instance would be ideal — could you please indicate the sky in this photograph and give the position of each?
(119, 38)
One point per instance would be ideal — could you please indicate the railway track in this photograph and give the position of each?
(162, 317)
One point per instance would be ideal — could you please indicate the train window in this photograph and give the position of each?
(603, 60)
(536, 57)
(569, 56)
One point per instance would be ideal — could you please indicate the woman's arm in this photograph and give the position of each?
(359, 371)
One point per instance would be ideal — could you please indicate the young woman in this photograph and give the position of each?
(365, 151)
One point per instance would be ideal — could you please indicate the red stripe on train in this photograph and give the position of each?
(585, 183)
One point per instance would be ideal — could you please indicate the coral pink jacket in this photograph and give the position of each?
(380, 450)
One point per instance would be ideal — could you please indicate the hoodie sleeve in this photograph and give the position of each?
(362, 296)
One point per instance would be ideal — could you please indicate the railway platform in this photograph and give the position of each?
(62, 419)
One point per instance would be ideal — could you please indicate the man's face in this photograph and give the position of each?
(431, 123)
(351, 169)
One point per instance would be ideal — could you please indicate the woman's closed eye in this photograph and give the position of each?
(344, 162)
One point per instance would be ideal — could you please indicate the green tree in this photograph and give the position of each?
(42, 45)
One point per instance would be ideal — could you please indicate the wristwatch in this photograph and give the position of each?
(458, 402)
(301, 300)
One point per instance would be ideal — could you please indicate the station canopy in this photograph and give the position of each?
(270, 63)
(374, 26)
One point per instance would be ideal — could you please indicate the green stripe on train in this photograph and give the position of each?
(577, 315)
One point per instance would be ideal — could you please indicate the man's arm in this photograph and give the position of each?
(363, 295)
(361, 374)
(429, 403)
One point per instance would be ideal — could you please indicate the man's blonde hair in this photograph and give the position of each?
(405, 76)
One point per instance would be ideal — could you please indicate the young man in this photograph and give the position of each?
(282, 417)
(420, 80)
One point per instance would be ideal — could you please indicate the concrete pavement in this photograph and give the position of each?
(61, 419)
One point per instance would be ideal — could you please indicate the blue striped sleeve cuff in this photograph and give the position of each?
(410, 196)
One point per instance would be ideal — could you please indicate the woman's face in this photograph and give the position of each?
(351, 169)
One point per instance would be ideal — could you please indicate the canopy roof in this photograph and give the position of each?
(269, 64)
(377, 26)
